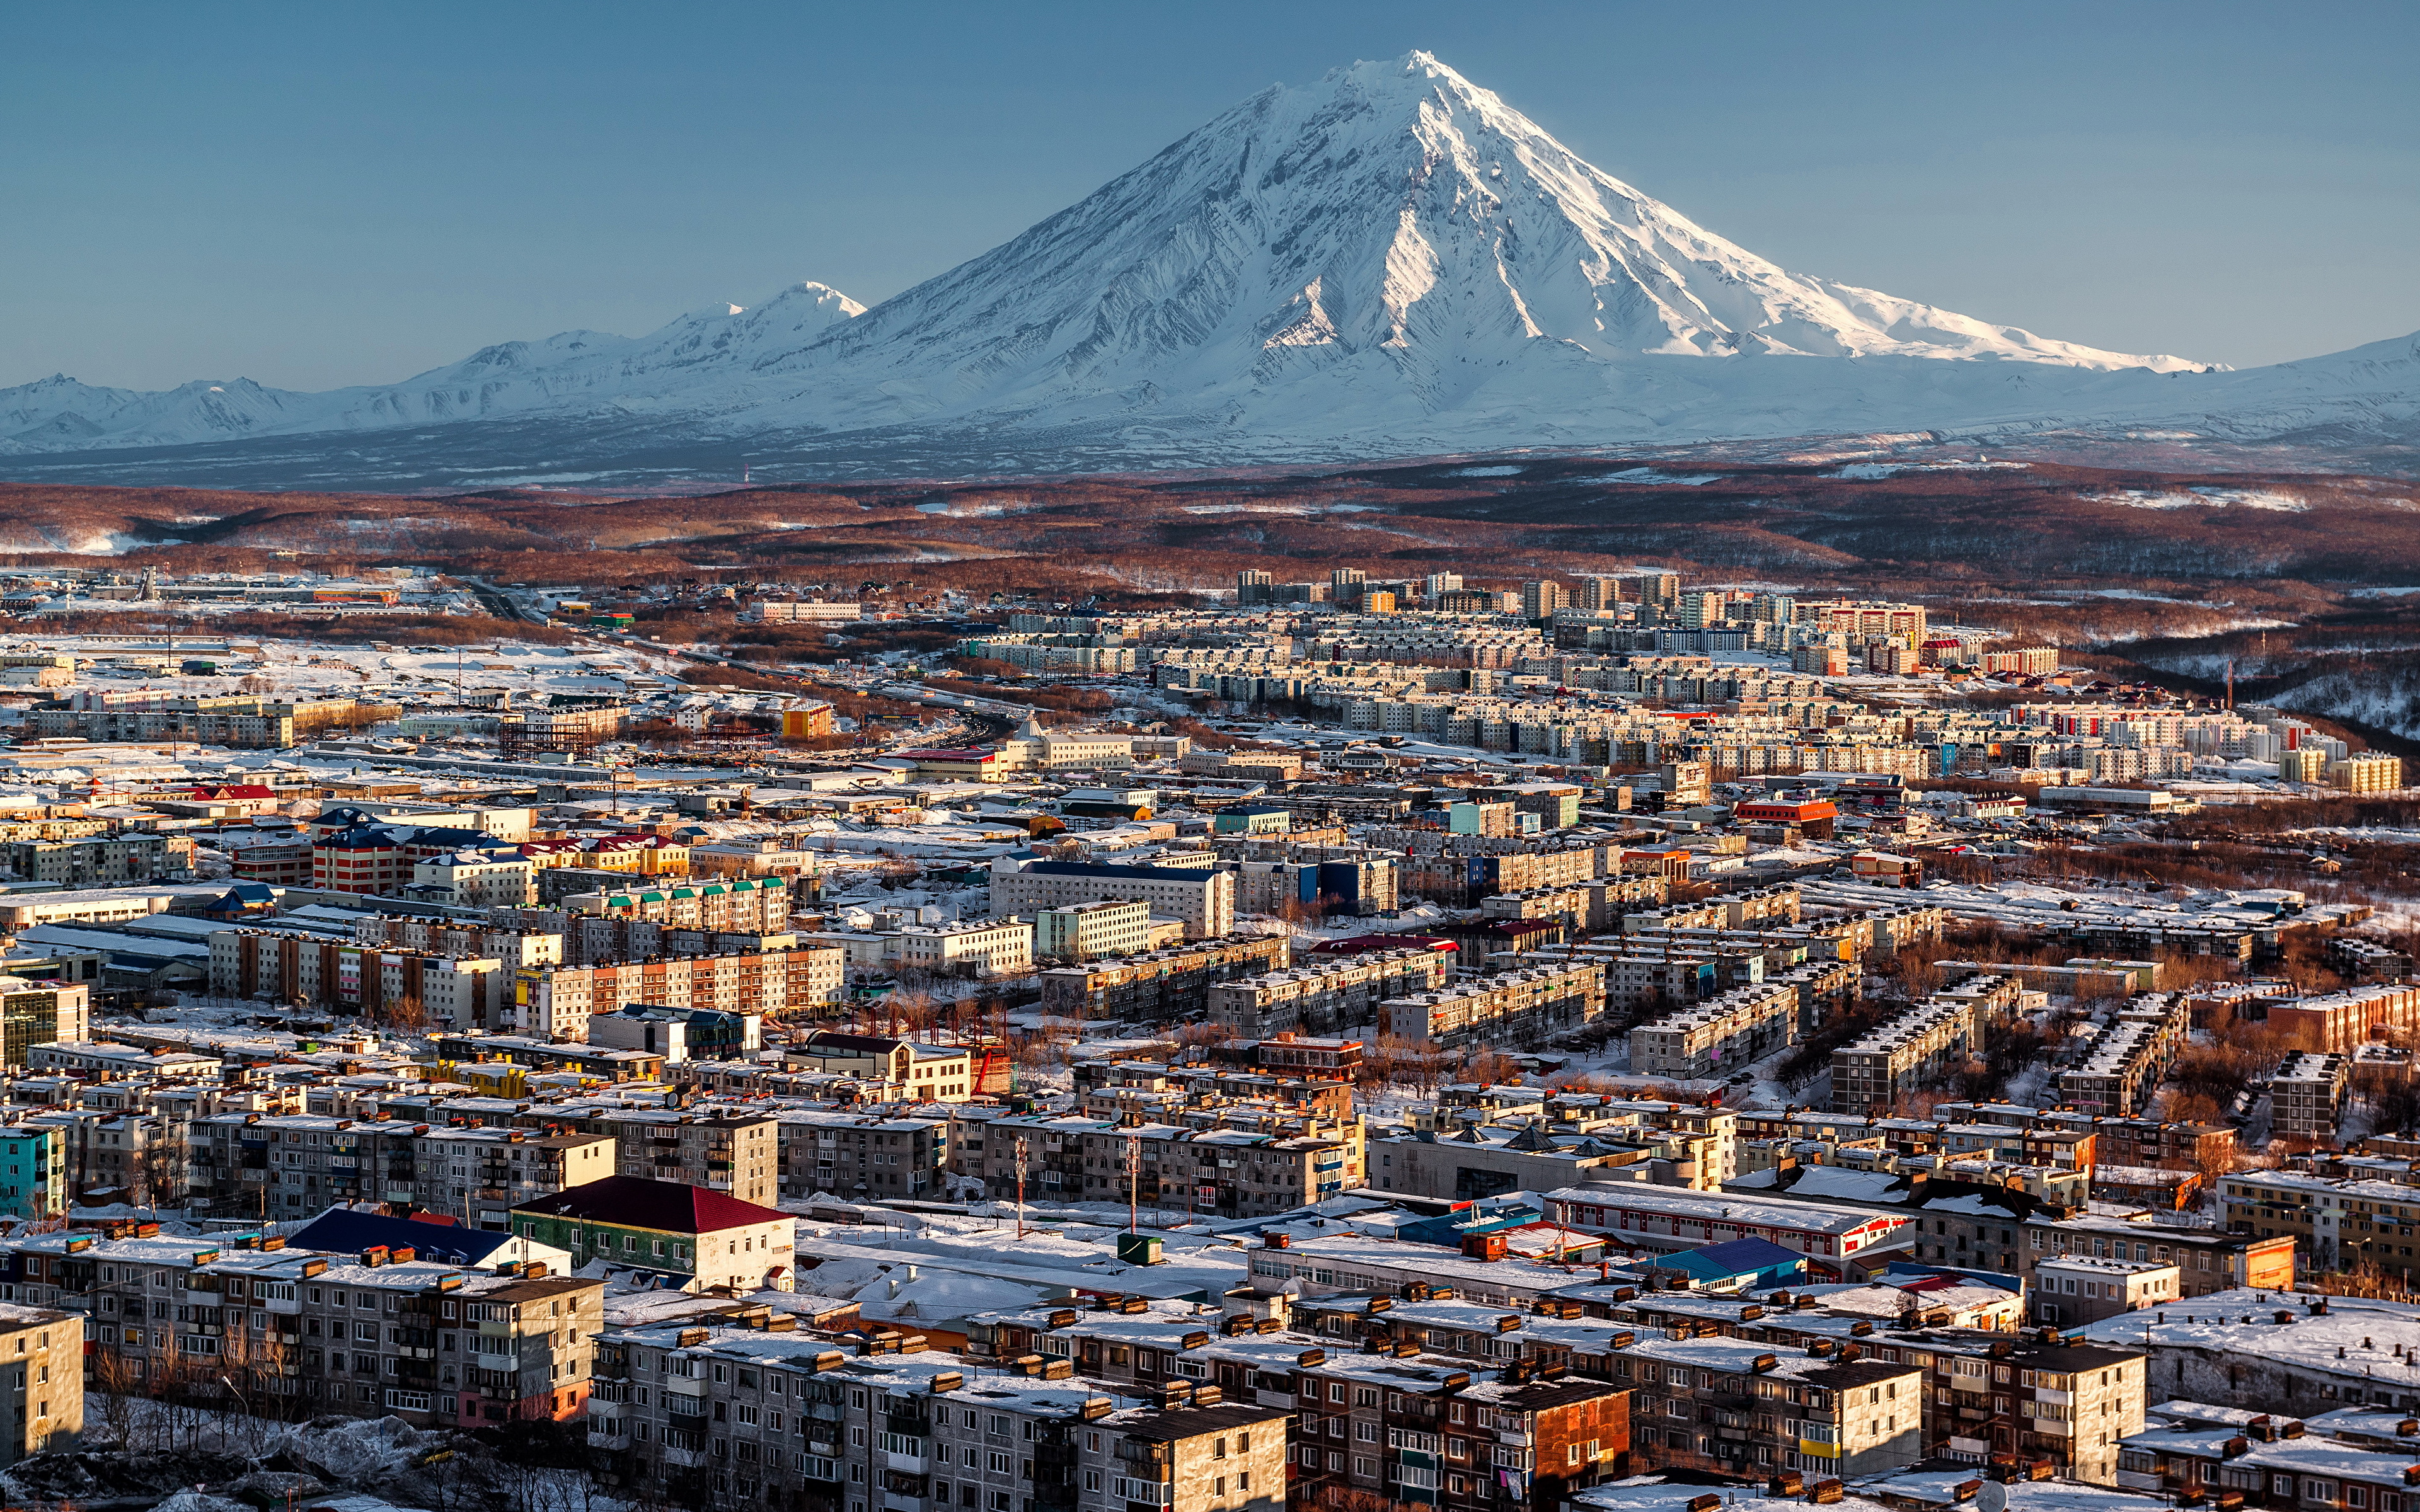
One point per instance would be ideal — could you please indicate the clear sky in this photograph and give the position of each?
(317, 195)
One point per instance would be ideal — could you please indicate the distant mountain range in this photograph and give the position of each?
(1390, 262)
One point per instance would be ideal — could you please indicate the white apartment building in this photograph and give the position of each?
(992, 947)
(479, 879)
(1088, 932)
(1204, 900)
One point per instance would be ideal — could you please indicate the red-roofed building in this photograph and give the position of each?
(1813, 817)
(690, 1236)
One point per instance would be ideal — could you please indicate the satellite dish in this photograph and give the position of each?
(1993, 1497)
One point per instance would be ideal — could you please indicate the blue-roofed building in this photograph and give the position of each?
(350, 1231)
(1736, 1265)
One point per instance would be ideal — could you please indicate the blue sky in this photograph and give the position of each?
(312, 195)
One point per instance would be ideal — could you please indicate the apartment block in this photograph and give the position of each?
(737, 904)
(1717, 1036)
(2306, 1095)
(1093, 931)
(41, 1013)
(1326, 993)
(997, 946)
(1919, 1048)
(1205, 900)
(1159, 987)
(1989, 1394)
(293, 1165)
(1733, 1407)
(2258, 1256)
(1193, 1449)
(1278, 1164)
(480, 1175)
(2125, 1066)
(859, 1158)
(456, 992)
(42, 1367)
(1507, 1008)
(737, 1154)
(556, 1002)
(515, 947)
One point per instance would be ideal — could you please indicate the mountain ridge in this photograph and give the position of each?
(1391, 261)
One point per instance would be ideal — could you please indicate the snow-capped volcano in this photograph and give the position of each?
(1395, 221)
(1389, 260)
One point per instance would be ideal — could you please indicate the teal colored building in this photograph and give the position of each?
(33, 1171)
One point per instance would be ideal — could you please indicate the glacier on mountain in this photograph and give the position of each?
(1389, 261)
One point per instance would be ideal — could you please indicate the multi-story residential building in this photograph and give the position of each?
(1407, 1427)
(239, 1165)
(2207, 1260)
(33, 1170)
(2125, 1066)
(515, 946)
(454, 992)
(737, 904)
(243, 723)
(994, 946)
(476, 879)
(100, 861)
(555, 1002)
(386, 1334)
(1989, 1394)
(1192, 1449)
(2306, 1095)
(1284, 1162)
(861, 1159)
(481, 1175)
(737, 1154)
(1732, 1407)
(1092, 931)
(42, 1367)
(1919, 1048)
(776, 1416)
(41, 1013)
(1205, 900)
(2334, 1224)
(292, 1166)
(684, 1235)
(1716, 1036)
(2079, 1288)
(1161, 986)
(897, 1067)
(1325, 993)
(1509, 1008)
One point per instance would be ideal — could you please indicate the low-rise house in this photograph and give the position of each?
(685, 1236)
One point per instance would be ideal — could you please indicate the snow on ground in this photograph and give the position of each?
(1876, 472)
(2201, 498)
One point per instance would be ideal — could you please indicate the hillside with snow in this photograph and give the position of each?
(1389, 261)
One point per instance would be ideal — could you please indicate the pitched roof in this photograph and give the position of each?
(635, 1202)
(346, 1232)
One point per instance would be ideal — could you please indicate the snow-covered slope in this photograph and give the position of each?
(1391, 259)
(1392, 239)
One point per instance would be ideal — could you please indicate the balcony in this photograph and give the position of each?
(683, 1458)
(907, 1464)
